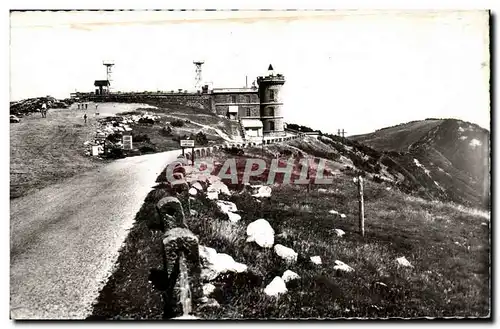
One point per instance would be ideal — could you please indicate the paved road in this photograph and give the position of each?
(65, 238)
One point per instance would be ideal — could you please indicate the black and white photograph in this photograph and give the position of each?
(250, 164)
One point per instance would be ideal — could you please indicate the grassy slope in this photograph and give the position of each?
(447, 245)
(448, 279)
(397, 138)
(45, 151)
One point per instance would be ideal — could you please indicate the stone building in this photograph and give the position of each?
(271, 103)
(251, 105)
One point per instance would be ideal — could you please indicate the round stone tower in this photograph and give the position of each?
(270, 103)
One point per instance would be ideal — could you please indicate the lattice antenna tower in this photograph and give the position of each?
(198, 76)
(109, 70)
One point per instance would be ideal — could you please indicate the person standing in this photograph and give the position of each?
(85, 118)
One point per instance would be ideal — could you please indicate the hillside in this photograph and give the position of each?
(452, 154)
(446, 246)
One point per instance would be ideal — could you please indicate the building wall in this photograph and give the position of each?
(248, 103)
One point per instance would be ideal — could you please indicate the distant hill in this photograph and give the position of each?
(451, 154)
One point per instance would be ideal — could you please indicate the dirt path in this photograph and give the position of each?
(44, 151)
(65, 238)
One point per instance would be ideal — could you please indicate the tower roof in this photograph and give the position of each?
(270, 68)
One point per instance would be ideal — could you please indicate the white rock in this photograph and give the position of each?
(343, 216)
(225, 263)
(402, 261)
(316, 260)
(289, 276)
(219, 187)
(193, 191)
(196, 185)
(212, 195)
(380, 284)
(339, 232)
(322, 190)
(261, 232)
(288, 254)
(233, 217)
(341, 266)
(208, 289)
(484, 224)
(208, 255)
(193, 212)
(227, 206)
(388, 188)
(276, 287)
(264, 192)
(333, 212)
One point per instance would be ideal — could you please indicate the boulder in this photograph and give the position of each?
(402, 261)
(322, 190)
(276, 287)
(227, 206)
(261, 232)
(343, 216)
(339, 232)
(343, 267)
(212, 195)
(289, 276)
(333, 212)
(218, 187)
(288, 254)
(214, 264)
(263, 192)
(193, 191)
(208, 289)
(316, 260)
(233, 217)
(197, 186)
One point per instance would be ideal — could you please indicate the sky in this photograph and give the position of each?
(353, 70)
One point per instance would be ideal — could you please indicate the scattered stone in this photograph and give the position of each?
(212, 195)
(316, 260)
(343, 267)
(197, 186)
(380, 284)
(402, 261)
(193, 213)
(289, 276)
(193, 191)
(288, 254)
(214, 264)
(261, 232)
(233, 217)
(484, 224)
(219, 187)
(388, 188)
(333, 212)
(276, 287)
(322, 190)
(343, 216)
(209, 303)
(227, 206)
(339, 232)
(264, 192)
(208, 289)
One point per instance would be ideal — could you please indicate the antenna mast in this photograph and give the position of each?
(109, 66)
(197, 78)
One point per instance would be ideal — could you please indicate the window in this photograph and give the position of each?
(249, 112)
(270, 111)
(271, 95)
(233, 98)
(271, 125)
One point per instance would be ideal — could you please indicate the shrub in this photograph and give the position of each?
(114, 138)
(141, 138)
(177, 123)
(146, 120)
(114, 152)
(234, 151)
(166, 131)
(201, 139)
(147, 149)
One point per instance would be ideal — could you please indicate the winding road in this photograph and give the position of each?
(65, 238)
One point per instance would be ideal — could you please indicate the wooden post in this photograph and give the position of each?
(192, 156)
(183, 151)
(361, 207)
(185, 291)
